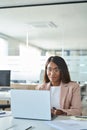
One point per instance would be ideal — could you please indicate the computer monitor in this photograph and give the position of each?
(5, 77)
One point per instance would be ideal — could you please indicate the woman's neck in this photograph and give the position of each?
(55, 83)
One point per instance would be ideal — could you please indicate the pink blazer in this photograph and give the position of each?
(70, 98)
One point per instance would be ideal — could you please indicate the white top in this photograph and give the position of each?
(55, 96)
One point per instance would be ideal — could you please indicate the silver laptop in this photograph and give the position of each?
(31, 104)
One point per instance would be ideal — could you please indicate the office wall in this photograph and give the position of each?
(27, 63)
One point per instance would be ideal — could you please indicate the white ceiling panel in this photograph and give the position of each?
(49, 27)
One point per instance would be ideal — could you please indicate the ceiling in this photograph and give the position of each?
(46, 24)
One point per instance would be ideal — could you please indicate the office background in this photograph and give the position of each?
(31, 31)
(29, 35)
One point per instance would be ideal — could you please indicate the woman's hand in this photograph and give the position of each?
(55, 111)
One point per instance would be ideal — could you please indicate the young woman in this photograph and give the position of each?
(65, 94)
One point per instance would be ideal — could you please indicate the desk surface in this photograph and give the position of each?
(10, 123)
(22, 124)
(5, 95)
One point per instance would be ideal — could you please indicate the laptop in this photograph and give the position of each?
(31, 104)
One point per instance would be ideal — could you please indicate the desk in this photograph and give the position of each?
(22, 124)
(23, 86)
(5, 98)
(5, 95)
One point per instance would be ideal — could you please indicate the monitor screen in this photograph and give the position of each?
(4, 77)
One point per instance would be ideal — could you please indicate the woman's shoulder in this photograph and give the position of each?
(39, 86)
(42, 86)
(73, 84)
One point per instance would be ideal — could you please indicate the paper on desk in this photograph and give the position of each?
(7, 113)
(79, 118)
(68, 124)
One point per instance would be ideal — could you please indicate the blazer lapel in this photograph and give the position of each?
(63, 93)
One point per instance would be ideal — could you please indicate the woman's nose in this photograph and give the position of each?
(52, 72)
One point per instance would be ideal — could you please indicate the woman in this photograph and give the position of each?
(65, 94)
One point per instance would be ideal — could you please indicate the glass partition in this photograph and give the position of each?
(32, 34)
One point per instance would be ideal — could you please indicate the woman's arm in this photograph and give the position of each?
(72, 103)
(75, 106)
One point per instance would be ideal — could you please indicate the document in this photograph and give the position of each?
(5, 113)
(68, 124)
(79, 117)
(2, 112)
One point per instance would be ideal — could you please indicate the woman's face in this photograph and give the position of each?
(53, 73)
